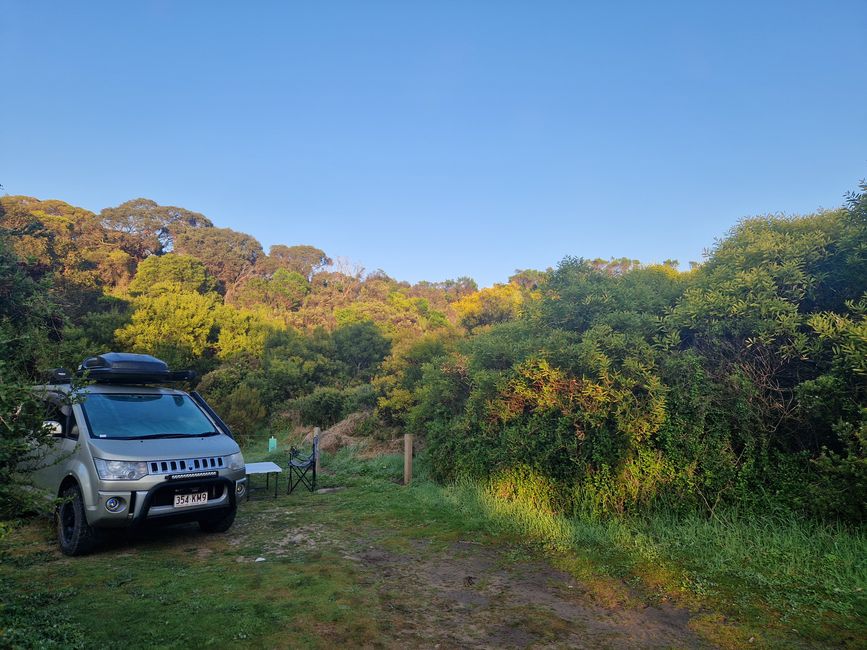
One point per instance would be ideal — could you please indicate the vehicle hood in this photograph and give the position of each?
(163, 449)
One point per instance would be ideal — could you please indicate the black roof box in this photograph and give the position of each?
(128, 368)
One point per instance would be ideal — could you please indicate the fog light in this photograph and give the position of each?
(240, 488)
(114, 504)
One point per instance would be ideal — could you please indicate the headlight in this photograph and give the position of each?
(120, 470)
(235, 461)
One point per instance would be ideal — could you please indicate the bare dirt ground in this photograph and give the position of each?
(470, 596)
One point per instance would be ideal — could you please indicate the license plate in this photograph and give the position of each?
(186, 500)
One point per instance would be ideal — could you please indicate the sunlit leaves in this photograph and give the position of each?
(171, 273)
(489, 306)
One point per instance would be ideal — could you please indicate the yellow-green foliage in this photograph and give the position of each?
(243, 331)
(398, 315)
(496, 304)
(186, 326)
(181, 321)
(846, 334)
(170, 273)
(402, 372)
(283, 291)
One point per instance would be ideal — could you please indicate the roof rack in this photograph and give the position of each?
(128, 368)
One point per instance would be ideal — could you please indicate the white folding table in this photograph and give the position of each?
(267, 469)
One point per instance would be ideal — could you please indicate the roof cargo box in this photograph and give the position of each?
(127, 368)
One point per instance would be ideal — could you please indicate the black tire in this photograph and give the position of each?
(74, 534)
(219, 523)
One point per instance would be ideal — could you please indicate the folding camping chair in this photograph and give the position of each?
(299, 466)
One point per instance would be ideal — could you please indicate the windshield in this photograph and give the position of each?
(145, 416)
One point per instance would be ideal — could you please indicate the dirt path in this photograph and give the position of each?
(472, 596)
(467, 594)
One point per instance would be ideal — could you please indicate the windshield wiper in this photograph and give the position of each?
(153, 436)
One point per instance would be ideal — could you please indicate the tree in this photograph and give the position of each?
(324, 407)
(150, 228)
(226, 254)
(440, 294)
(402, 373)
(243, 410)
(294, 364)
(581, 293)
(305, 260)
(398, 315)
(90, 334)
(283, 291)
(329, 292)
(529, 279)
(496, 304)
(361, 347)
(26, 316)
(172, 272)
(117, 268)
(69, 242)
(179, 327)
(242, 331)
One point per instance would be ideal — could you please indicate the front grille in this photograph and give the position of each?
(165, 496)
(186, 465)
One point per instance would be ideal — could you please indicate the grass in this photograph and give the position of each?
(785, 575)
(781, 583)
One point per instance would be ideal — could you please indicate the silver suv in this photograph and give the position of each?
(130, 452)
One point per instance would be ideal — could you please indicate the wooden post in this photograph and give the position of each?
(407, 458)
(318, 453)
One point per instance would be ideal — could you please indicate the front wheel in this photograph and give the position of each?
(220, 523)
(75, 535)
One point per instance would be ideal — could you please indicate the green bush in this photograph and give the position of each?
(26, 314)
(323, 407)
(243, 411)
(634, 388)
(360, 398)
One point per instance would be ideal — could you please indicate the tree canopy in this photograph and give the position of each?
(149, 227)
(228, 255)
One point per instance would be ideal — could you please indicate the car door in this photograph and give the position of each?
(49, 463)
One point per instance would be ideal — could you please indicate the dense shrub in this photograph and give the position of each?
(630, 387)
(27, 316)
(323, 407)
(243, 411)
(360, 347)
(360, 398)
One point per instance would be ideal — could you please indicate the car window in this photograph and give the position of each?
(53, 413)
(129, 416)
(63, 414)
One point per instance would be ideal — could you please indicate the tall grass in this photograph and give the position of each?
(804, 571)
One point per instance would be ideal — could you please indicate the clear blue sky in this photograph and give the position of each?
(444, 138)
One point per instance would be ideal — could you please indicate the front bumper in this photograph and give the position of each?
(153, 501)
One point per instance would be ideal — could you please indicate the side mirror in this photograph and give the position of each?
(53, 427)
